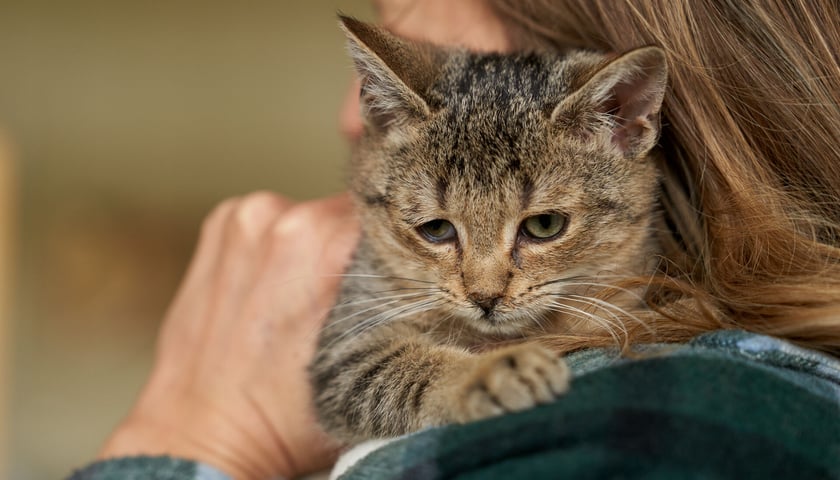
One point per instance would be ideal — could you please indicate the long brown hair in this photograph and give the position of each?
(752, 148)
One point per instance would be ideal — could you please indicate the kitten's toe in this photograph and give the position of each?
(513, 379)
(480, 403)
(543, 389)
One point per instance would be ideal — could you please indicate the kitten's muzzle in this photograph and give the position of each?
(486, 302)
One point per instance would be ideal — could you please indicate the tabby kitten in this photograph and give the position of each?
(488, 185)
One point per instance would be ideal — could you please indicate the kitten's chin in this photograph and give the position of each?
(497, 324)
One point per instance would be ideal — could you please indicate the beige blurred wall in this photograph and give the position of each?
(131, 120)
(8, 235)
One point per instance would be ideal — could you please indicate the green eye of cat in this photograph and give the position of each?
(545, 226)
(437, 231)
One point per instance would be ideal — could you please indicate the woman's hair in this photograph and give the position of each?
(751, 141)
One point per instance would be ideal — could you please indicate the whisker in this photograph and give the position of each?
(393, 314)
(606, 286)
(578, 315)
(376, 299)
(434, 327)
(558, 280)
(463, 326)
(537, 319)
(437, 289)
(380, 318)
(599, 304)
(376, 276)
(415, 308)
(602, 322)
(333, 323)
(607, 306)
(614, 321)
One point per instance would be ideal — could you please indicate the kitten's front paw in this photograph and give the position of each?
(512, 379)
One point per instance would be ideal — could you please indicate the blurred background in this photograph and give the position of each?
(121, 125)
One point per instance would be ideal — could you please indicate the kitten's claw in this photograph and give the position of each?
(512, 379)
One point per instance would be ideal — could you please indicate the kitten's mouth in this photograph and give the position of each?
(496, 322)
(491, 317)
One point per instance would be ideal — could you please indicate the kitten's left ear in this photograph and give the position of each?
(622, 99)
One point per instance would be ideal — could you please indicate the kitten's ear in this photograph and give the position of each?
(621, 100)
(394, 74)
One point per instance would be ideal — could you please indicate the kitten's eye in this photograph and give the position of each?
(545, 226)
(437, 231)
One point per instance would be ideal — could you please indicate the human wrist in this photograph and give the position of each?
(235, 455)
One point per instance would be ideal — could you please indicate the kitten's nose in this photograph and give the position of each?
(485, 301)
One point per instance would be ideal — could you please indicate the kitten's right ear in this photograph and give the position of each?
(394, 74)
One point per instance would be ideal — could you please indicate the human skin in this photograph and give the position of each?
(229, 386)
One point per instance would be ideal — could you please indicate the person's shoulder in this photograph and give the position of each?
(814, 371)
(817, 372)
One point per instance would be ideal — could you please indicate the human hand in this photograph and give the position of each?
(230, 386)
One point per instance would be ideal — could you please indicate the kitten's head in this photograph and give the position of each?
(503, 178)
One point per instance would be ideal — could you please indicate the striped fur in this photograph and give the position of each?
(426, 333)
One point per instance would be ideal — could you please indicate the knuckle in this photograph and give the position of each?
(259, 208)
(266, 199)
(293, 221)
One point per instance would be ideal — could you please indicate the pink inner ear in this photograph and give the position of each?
(626, 135)
(622, 100)
(610, 106)
(632, 107)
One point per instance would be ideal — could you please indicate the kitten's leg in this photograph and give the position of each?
(392, 387)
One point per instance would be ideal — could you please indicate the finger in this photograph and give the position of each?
(182, 320)
(337, 252)
(300, 233)
(341, 232)
(298, 245)
(256, 213)
(210, 241)
(315, 240)
(241, 252)
(222, 272)
(339, 204)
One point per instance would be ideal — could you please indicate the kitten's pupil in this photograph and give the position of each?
(436, 227)
(545, 226)
(438, 230)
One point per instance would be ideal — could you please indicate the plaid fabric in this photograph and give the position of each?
(726, 405)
